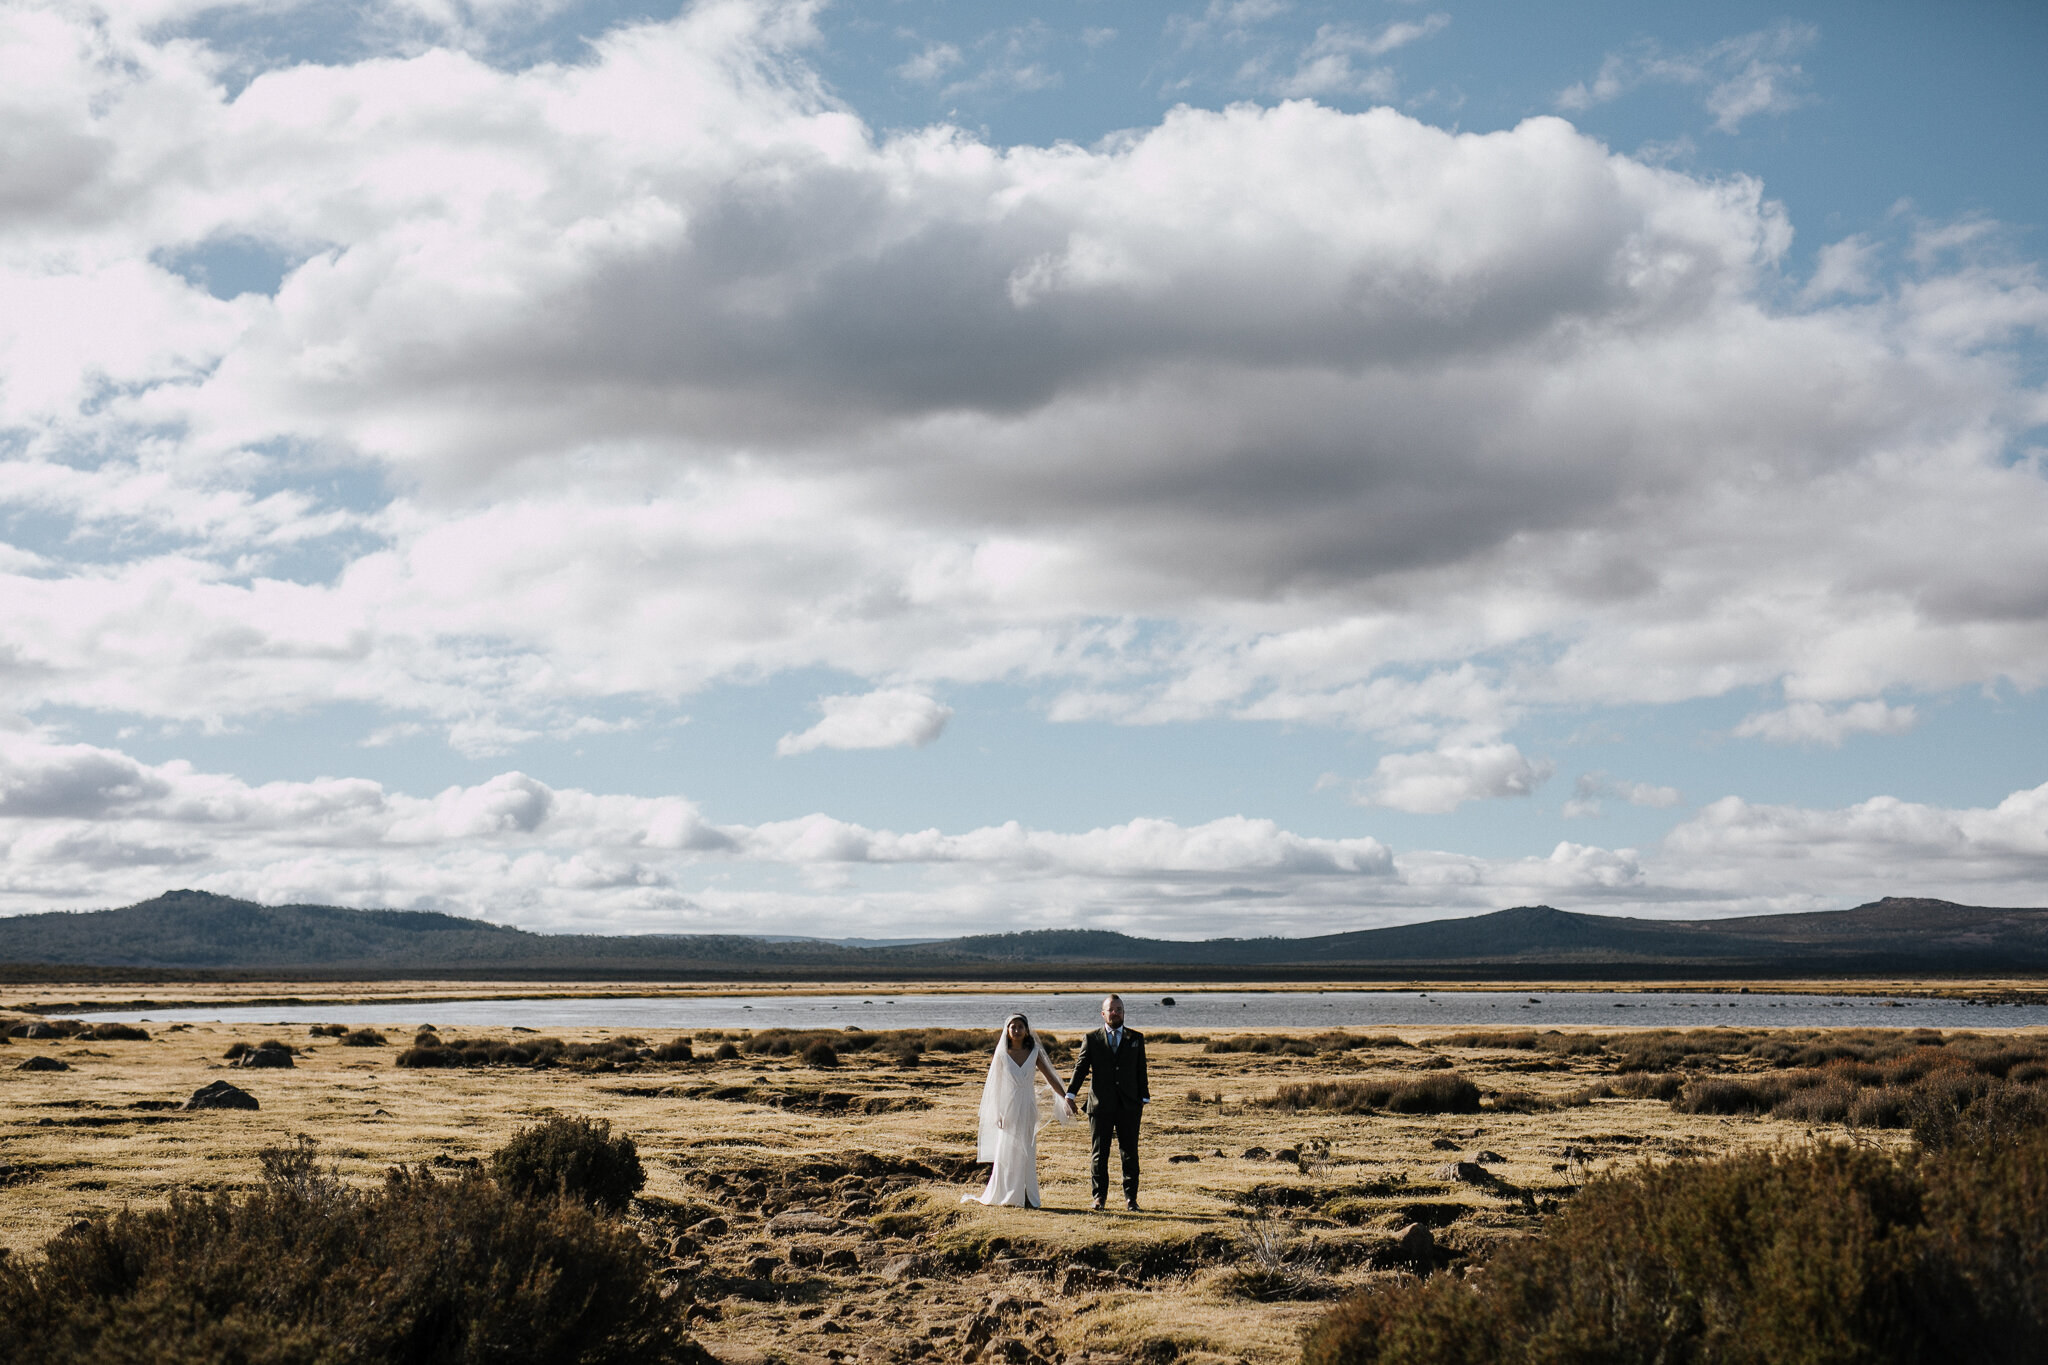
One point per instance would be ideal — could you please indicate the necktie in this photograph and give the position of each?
(1116, 1036)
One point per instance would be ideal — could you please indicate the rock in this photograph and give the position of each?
(1179, 1157)
(1079, 1279)
(1443, 1144)
(980, 1328)
(897, 1269)
(1413, 1249)
(221, 1095)
(1465, 1173)
(42, 1030)
(803, 1253)
(1287, 1154)
(856, 1208)
(1256, 1154)
(798, 1222)
(714, 1226)
(841, 1259)
(762, 1266)
(1490, 1158)
(265, 1056)
(44, 1064)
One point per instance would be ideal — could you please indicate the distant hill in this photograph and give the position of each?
(196, 931)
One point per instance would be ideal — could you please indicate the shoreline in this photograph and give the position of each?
(80, 997)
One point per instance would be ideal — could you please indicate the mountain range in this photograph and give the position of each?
(197, 932)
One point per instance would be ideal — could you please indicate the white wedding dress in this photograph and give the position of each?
(1008, 1135)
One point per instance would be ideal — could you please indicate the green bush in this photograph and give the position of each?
(1829, 1254)
(577, 1158)
(418, 1271)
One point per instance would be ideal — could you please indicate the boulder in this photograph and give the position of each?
(266, 1054)
(40, 1063)
(1490, 1158)
(1465, 1173)
(1414, 1248)
(221, 1095)
(797, 1222)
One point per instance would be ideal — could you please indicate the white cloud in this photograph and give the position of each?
(1807, 722)
(1592, 790)
(930, 64)
(1441, 780)
(107, 829)
(1284, 413)
(890, 718)
(1742, 77)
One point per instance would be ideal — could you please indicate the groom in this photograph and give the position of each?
(1115, 1055)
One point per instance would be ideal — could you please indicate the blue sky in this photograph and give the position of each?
(882, 468)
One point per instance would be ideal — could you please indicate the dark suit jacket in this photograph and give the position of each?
(1120, 1083)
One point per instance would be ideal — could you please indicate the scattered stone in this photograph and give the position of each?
(714, 1226)
(1287, 1154)
(1443, 1144)
(841, 1259)
(898, 1269)
(856, 1208)
(1256, 1154)
(44, 1064)
(1491, 1158)
(1465, 1173)
(1413, 1249)
(805, 1254)
(1179, 1157)
(762, 1266)
(42, 1030)
(266, 1054)
(221, 1095)
(798, 1221)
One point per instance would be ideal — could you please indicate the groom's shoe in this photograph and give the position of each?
(1097, 1204)
(1131, 1204)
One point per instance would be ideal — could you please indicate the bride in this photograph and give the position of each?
(1009, 1115)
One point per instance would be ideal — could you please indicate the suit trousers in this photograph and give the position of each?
(1122, 1126)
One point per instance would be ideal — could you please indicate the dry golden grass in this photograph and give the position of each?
(927, 1274)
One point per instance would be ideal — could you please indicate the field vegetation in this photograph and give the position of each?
(794, 1206)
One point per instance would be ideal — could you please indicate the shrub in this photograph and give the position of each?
(1825, 1254)
(327, 1031)
(677, 1050)
(1420, 1095)
(725, 1052)
(577, 1158)
(363, 1037)
(820, 1053)
(418, 1270)
(115, 1033)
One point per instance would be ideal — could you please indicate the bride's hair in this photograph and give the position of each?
(1030, 1039)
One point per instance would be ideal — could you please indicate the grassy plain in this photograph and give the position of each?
(837, 1226)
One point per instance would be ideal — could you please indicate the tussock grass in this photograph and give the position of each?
(1434, 1094)
(1297, 1045)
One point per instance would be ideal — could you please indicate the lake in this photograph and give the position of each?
(1075, 1012)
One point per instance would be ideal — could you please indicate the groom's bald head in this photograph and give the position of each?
(1113, 1011)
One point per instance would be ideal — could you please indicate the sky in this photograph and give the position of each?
(917, 467)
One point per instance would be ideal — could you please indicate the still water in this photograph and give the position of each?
(1192, 1010)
